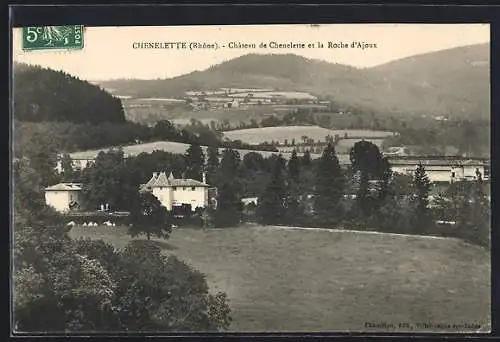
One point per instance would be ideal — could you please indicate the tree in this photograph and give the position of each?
(271, 204)
(159, 293)
(481, 215)
(393, 212)
(306, 159)
(109, 180)
(253, 161)
(67, 168)
(421, 219)
(195, 160)
(28, 196)
(294, 166)
(230, 163)
(87, 285)
(294, 206)
(51, 277)
(468, 205)
(164, 130)
(150, 217)
(49, 274)
(41, 152)
(385, 179)
(368, 164)
(329, 188)
(212, 163)
(229, 207)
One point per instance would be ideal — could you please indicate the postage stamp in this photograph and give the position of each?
(53, 37)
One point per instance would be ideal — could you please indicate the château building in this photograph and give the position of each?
(174, 192)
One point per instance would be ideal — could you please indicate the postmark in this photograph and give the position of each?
(53, 37)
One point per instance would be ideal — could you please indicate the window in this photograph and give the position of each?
(193, 188)
(184, 188)
(175, 188)
(453, 175)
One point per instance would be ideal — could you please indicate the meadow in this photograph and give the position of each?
(282, 133)
(309, 280)
(167, 146)
(148, 111)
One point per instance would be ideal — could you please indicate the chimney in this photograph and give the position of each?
(205, 177)
(155, 174)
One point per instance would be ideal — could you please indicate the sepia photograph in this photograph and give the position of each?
(251, 179)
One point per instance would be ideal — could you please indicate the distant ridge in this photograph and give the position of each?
(453, 82)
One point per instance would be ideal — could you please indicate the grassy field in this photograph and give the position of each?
(342, 148)
(295, 280)
(149, 112)
(167, 146)
(259, 135)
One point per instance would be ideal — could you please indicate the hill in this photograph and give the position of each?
(280, 72)
(42, 94)
(453, 82)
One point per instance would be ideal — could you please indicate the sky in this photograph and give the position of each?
(109, 52)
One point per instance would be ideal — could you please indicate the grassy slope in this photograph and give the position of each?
(167, 146)
(281, 280)
(259, 135)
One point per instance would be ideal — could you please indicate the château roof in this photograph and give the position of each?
(186, 182)
(161, 180)
(65, 187)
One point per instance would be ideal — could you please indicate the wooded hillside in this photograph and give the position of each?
(42, 94)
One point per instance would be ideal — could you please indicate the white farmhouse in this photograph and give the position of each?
(63, 197)
(172, 192)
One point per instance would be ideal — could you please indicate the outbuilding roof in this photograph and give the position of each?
(65, 187)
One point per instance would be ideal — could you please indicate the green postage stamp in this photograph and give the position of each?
(53, 37)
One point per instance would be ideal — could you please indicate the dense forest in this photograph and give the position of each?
(42, 94)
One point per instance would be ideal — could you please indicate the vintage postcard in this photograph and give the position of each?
(265, 178)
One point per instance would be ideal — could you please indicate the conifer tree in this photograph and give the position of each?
(294, 205)
(306, 159)
(271, 204)
(229, 208)
(195, 160)
(294, 167)
(212, 163)
(421, 219)
(67, 168)
(230, 163)
(329, 188)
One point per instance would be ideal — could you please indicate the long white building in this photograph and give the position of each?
(443, 170)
